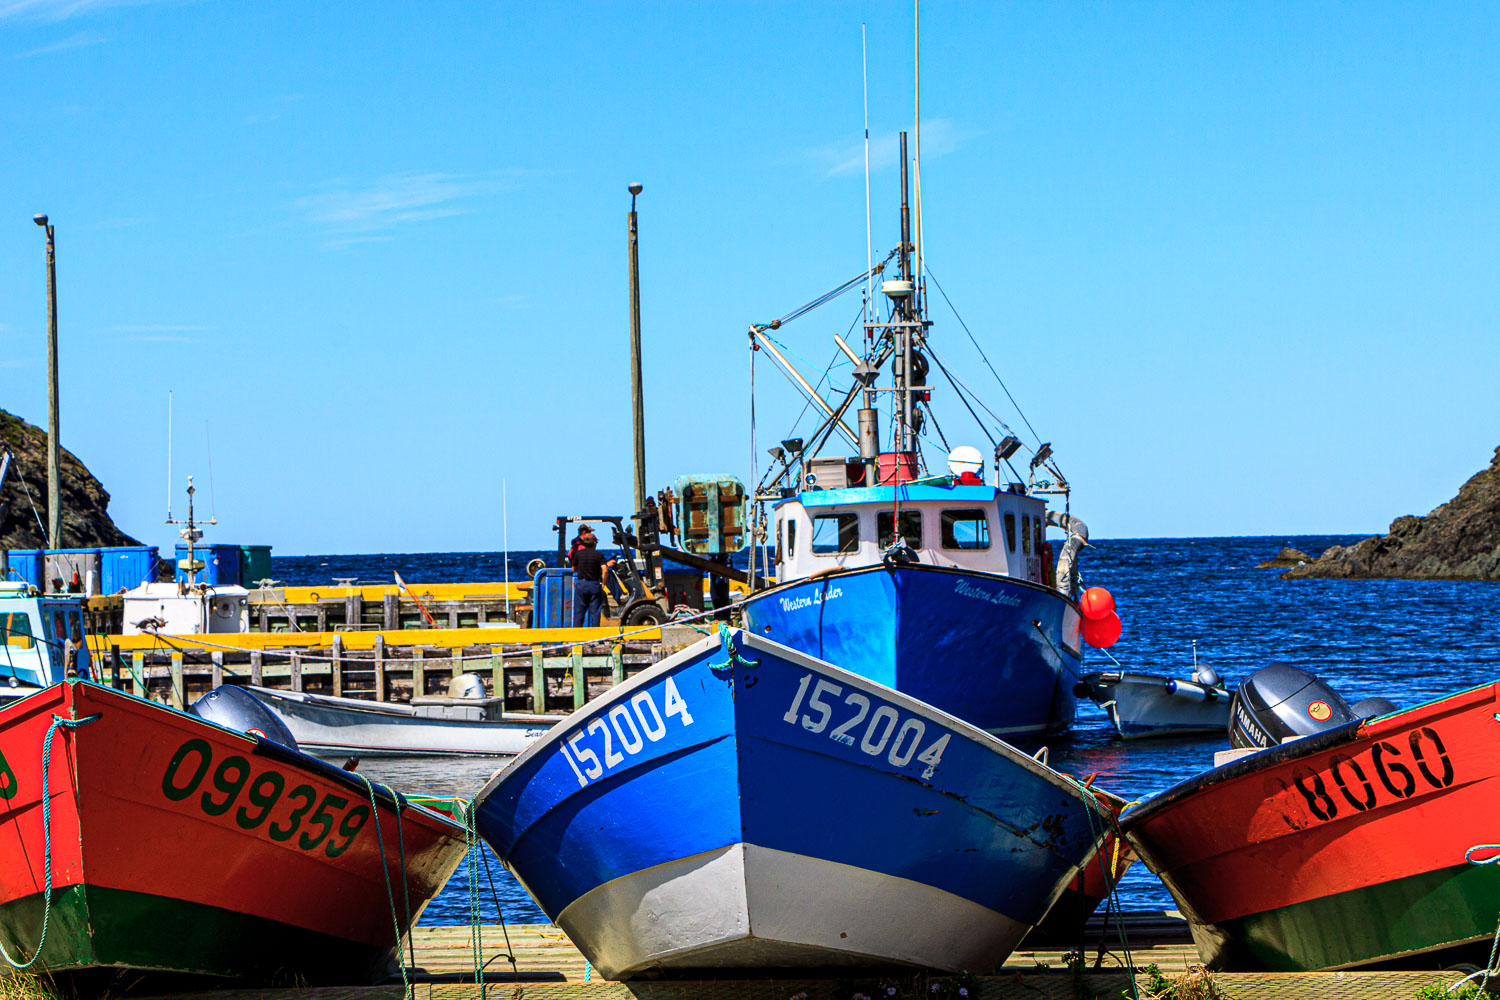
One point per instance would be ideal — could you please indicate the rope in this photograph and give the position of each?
(726, 645)
(385, 870)
(928, 269)
(476, 934)
(1110, 885)
(58, 722)
(1489, 969)
(510, 954)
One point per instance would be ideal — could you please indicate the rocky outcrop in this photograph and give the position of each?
(1458, 541)
(1286, 558)
(85, 504)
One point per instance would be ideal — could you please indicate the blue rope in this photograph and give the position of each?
(385, 869)
(58, 722)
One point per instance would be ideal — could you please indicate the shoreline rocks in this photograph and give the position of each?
(1285, 559)
(85, 503)
(1459, 540)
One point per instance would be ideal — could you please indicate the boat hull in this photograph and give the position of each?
(329, 725)
(1140, 705)
(1338, 850)
(800, 819)
(163, 858)
(999, 653)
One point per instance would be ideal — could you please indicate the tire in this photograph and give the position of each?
(645, 613)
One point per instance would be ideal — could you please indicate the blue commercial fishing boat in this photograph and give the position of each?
(743, 805)
(943, 586)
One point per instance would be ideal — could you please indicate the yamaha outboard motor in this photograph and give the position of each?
(235, 708)
(1281, 701)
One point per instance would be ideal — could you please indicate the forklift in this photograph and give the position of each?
(651, 593)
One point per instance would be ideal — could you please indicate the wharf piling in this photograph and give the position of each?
(534, 670)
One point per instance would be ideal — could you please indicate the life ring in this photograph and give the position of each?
(535, 566)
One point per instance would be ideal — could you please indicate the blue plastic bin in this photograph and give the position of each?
(221, 563)
(552, 598)
(126, 567)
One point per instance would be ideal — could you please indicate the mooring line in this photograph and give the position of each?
(58, 722)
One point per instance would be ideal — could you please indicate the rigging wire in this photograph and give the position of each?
(982, 355)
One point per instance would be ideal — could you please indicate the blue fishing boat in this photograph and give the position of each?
(741, 804)
(940, 582)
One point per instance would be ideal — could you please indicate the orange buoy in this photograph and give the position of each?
(1096, 603)
(1101, 633)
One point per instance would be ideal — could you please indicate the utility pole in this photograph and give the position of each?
(54, 457)
(637, 401)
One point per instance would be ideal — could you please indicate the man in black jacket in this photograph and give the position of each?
(589, 567)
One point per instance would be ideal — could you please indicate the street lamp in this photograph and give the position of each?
(54, 489)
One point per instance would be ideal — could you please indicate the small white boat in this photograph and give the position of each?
(1154, 705)
(469, 726)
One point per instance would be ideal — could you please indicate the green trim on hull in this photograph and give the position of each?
(1432, 911)
(96, 928)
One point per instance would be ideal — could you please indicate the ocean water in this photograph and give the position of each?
(1409, 641)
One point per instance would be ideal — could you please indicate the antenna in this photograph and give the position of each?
(169, 456)
(213, 500)
(864, 68)
(917, 134)
(505, 536)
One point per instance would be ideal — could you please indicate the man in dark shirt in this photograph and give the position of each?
(589, 567)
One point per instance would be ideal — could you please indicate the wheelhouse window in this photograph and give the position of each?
(1010, 532)
(835, 534)
(1026, 534)
(17, 629)
(966, 529)
(1038, 530)
(779, 529)
(911, 528)
(791, 538)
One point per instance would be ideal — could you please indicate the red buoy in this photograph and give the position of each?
(1096, 603)
(1102, 633)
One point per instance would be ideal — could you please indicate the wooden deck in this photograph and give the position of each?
(548, 967)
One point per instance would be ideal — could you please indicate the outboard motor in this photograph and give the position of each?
(1369, 707)
(235, 708)
(1280, 702)
(466, 686)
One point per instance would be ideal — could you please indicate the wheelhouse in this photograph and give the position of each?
(971, 527)
(42, 637)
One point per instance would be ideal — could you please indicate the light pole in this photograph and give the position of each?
(636, 401)
(54, 460)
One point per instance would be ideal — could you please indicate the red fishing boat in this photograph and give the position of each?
(1340, 849)
(133, 836)
(1095, 880)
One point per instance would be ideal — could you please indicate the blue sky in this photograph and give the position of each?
(1235, 261)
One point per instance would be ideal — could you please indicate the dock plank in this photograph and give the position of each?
(549, 967)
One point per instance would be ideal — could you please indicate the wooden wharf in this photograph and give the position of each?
(536, 670)
(548, 967)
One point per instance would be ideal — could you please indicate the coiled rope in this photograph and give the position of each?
(58, 722)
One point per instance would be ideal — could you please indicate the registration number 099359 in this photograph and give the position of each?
(878, 732)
